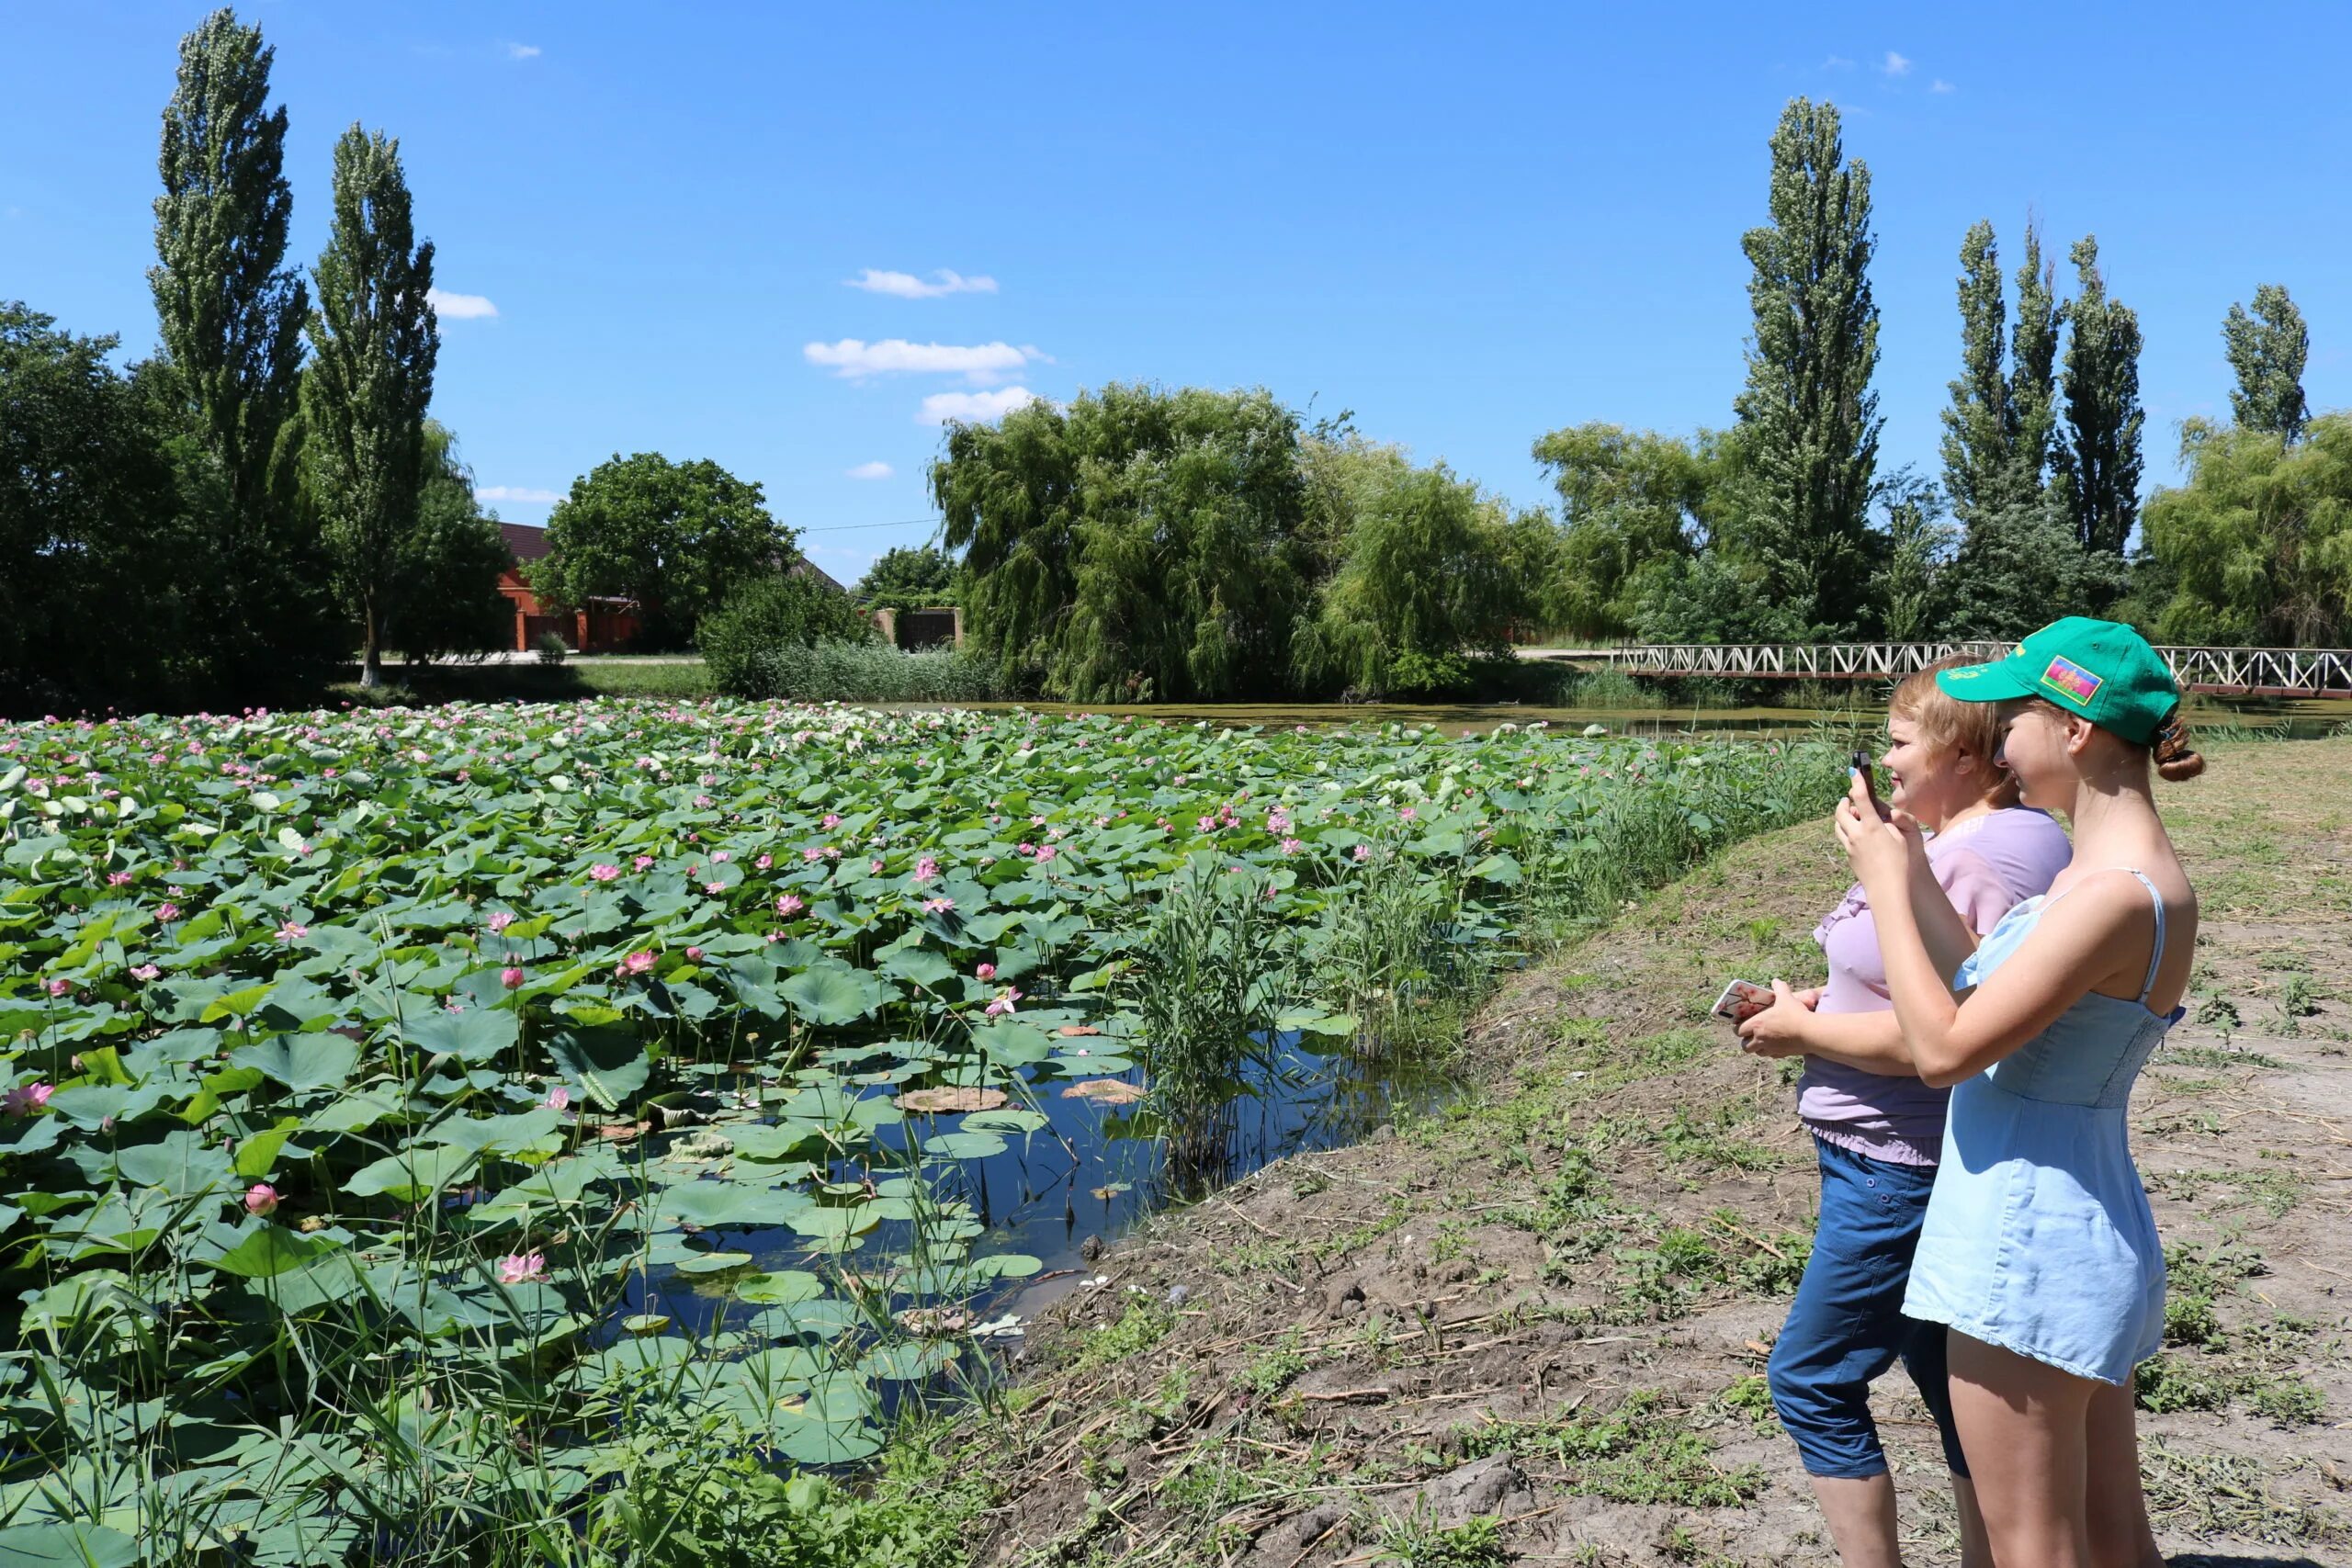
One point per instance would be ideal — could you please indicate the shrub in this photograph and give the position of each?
(550, 648)
(860, 673)
(769, 613)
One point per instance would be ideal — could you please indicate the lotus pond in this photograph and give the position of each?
(420, 1128)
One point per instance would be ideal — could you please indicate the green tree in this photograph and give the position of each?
(2034, 365)
(2258, 543)
(374, 342)
(231, 315)
(676, 537)
(1909, 587)
(449, 563)
(909, 578)
(1425, 583)
(1980, 426)
(2103, 412)
(92, 528)
(2267, 349)
(1627, 498)
(1138, 542)
(1807, 417)
(2023, 566)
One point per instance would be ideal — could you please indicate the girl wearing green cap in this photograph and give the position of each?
(2038, 1249)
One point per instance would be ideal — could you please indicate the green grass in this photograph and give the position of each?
(1640, 1453)
(573, 680)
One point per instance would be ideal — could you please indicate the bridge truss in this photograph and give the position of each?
(2221, 671)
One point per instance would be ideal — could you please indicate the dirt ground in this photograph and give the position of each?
(1532, 1328)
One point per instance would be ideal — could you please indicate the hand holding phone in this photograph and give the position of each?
(1741, 1000)
(1869, 776)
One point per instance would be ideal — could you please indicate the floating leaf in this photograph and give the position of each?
(1104, 1091)
(936, 1102)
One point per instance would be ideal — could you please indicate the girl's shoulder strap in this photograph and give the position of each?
(2156, 899)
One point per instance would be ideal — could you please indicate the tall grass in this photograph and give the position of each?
(863, 672)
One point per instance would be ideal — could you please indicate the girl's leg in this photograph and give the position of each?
(1859, 1511)
(1975, 1552)
(2026, 1426)
(2118, 1512)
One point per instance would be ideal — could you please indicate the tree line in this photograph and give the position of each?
(230, 516)
(1142, 542)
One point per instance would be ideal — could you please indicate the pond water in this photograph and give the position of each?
(2301, 719)
(1087, 1177)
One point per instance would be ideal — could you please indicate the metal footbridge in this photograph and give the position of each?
(2221, 672)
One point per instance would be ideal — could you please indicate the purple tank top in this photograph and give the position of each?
(1984, 865)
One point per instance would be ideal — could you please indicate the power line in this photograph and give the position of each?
(847, 527)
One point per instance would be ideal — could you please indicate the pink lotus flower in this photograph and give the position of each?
(764, 862)
(788, 904)
(830, 820)
(261, 1199)
(937, 906)
(1406, 815)
(59, 987)
(1363, 851)
(559, 1098)
(522, 1268)
(985, 972)
(638, 963)
(1206, 824)
(641, 862)
(1004, 1000)
(1046, 852)
(926, 870)
(1026, 848)
(721, 857)
(813, 854)
(714, 888)
(292, 932)
(145, 972)
(167, 911)
(1292, 846)
(603, 872)
(511, 978)
(873, 867)
(27, 1098)
(694, 956)
(118, 878)
(501, 920)
(1277, 822)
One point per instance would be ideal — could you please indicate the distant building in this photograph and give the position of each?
(603, 625)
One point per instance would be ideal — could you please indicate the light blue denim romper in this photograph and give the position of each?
(2038, 1237)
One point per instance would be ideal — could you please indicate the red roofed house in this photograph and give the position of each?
(603, 625)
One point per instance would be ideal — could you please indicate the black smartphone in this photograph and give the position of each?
(1869, 781)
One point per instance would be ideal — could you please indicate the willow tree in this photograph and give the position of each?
(375, 341)
(1629, 499)
(2258, 543)
(1808, 420)
(1139, 542)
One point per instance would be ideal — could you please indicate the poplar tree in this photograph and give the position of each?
(2268, 349)
(2034, 362)
(230, 313)
(374, 340)
(2103, 412)
(1980, 462)
(1807, 416)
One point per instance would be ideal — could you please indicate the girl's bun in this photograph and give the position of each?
(2175, 759)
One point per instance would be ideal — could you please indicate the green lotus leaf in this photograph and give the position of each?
(786, 1287)
(610, 1064)
(963, 1145)
(302, 1062)
(76, 1544)
(832, 994)
(270, 1250)
(477, 1034)
(413, 1173)
(730, 1205)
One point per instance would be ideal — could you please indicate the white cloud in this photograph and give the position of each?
(906, 285)
(522, 51)
(1896, 64)
(459, 307)
(1940, 86)
(1837, 63)
(523, 493)
(973, 407)
(874, 470)
(981, 364)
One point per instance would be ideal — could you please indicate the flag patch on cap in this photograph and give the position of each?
(2067, 677)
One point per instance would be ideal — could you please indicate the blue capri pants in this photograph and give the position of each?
(1846, 1326)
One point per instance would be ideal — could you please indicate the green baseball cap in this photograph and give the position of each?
(2101, 669)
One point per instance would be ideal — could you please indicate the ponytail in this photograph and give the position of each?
(2175, 757)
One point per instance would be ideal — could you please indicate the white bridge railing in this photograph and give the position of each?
(2236, 672)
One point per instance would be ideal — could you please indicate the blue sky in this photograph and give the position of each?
(1468, 223)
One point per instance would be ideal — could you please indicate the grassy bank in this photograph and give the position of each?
(1533, 1327)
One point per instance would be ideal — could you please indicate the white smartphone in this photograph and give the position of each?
(1741, 1000)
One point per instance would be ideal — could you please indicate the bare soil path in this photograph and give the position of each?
(1532, 1328)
